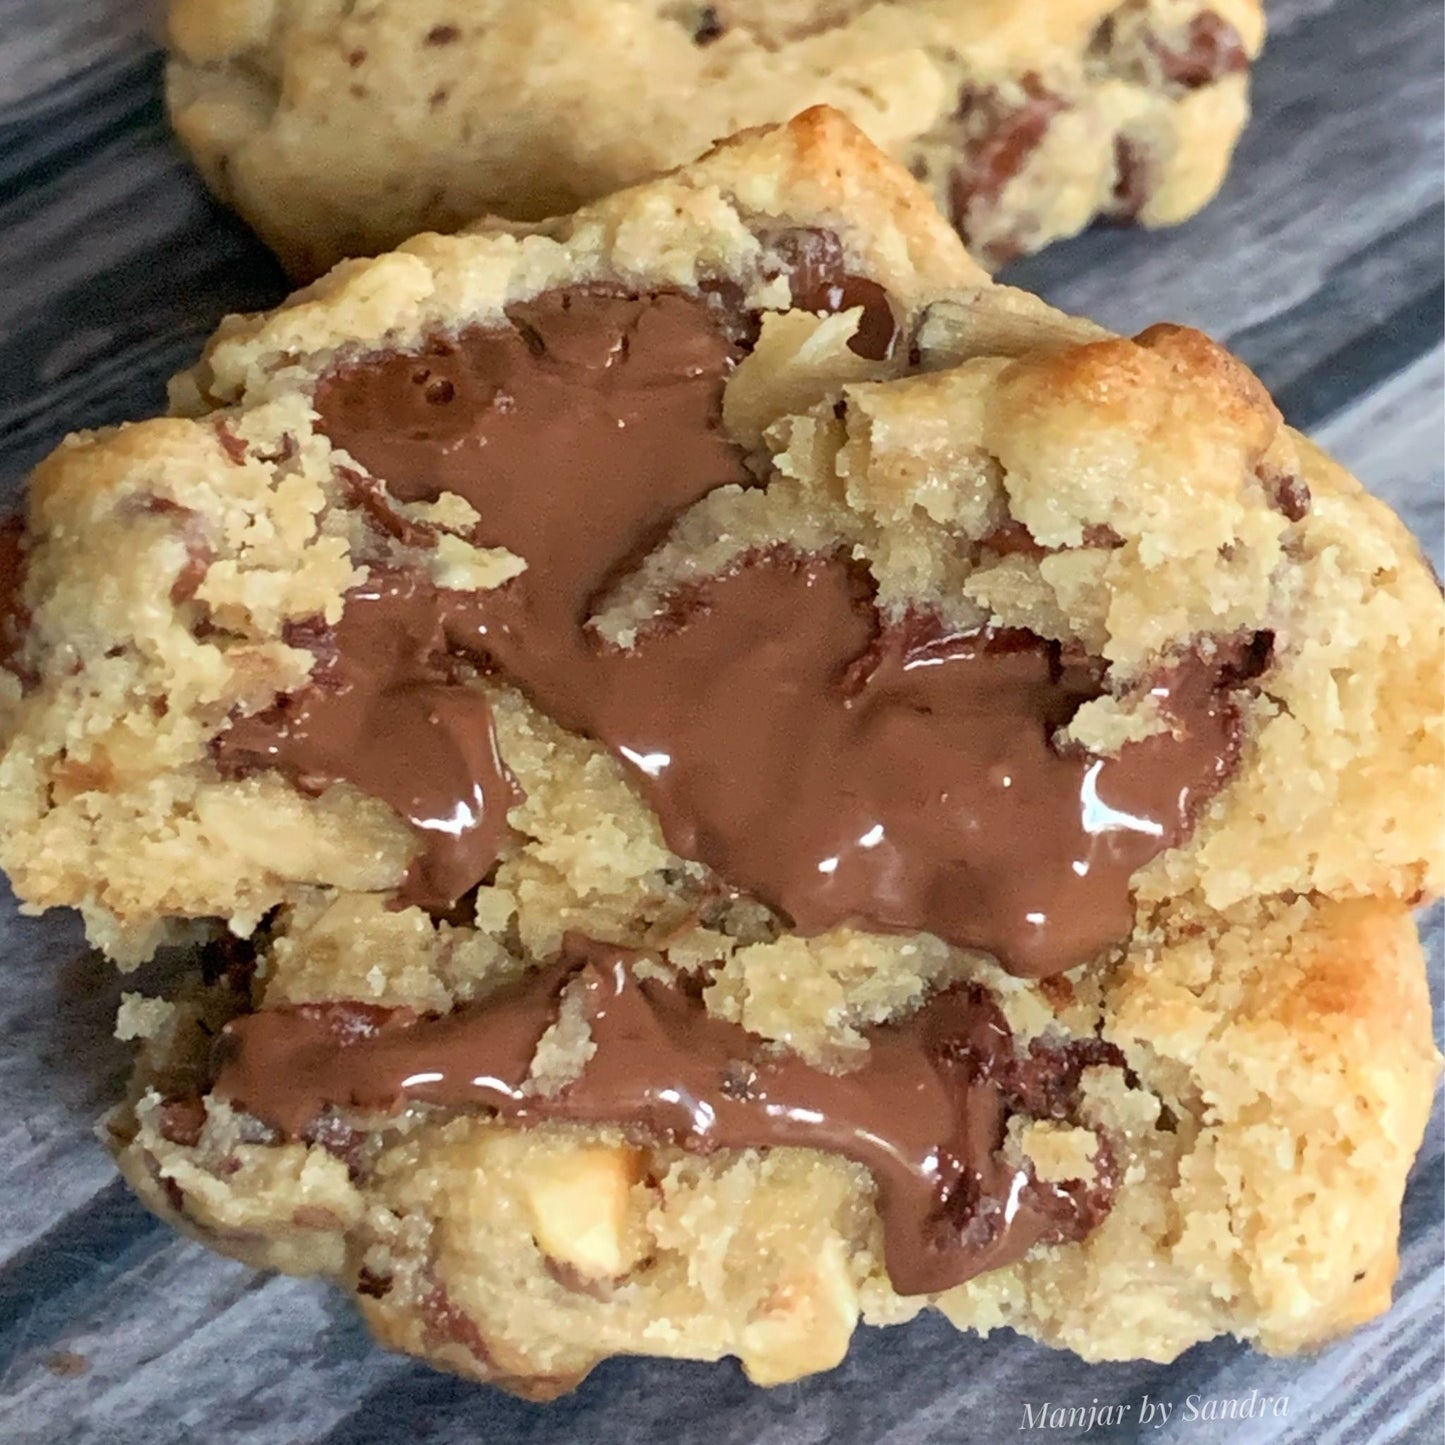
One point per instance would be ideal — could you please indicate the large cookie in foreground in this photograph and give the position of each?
(765, 781)
(340, 130)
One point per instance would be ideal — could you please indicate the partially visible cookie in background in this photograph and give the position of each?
(1211, 1136)
(339, 129)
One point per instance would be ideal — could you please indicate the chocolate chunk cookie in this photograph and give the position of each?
(741, 778)
(340, 130)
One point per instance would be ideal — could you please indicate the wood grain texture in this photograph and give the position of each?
(1321, 263)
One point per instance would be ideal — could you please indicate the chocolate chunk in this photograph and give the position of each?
(199, 557)
(1000, 136)
(709, 26)
(1245, 658)
(348, 1023)
(1288, 493)
(443, 35)
(335, 1136)
(1131, 180)
(199, 554)
(899, 777)
(368, 496)
(14, 615)
(1212, 49)
(446, 1324)
(233, 446)
(1044, 1082)
(1013, 539)
(1176, 57)
(371, 1284)
(174, 1194)
(819, 278)
(639, 382)
(926, 1113)
(181, 1121)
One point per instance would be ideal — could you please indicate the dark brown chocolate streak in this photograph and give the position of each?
(14, 619)
(926, 1113)
(840, 771)
(578, 433)
(1010, 133)
(819, 279)
(1212, 49)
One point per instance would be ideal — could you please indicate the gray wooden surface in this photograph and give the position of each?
(1321, 264)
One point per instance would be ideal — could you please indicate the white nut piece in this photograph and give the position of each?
(579, 1200)
(1058, 1152)
(805, 1325)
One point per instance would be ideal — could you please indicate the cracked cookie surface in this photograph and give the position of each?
(828, 434)
(340, 130)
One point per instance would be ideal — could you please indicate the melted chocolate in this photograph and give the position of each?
(903, 778)
(578, 433)
(390, 711)
(926, 1113)
(839, 770)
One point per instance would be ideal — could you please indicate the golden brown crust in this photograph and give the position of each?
(340, 132)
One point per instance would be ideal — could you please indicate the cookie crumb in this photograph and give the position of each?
(141, 1017)
(67, 1364)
